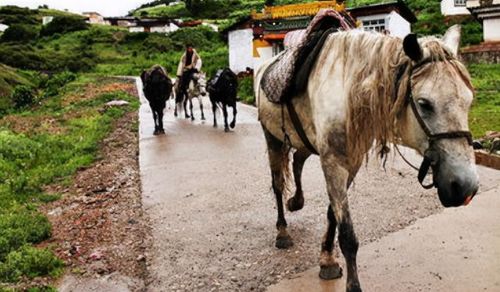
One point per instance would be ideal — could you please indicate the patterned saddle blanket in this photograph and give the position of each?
(289, 73)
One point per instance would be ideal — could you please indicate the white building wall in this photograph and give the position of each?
(241, 49)
(265, 54)
(397, 25)
(448, 8)
(136, 29)
(47, 19)
(491, 29)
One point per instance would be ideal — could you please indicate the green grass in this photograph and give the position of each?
(33, 155)
(176, 11)
(485, 112)
(9, 79)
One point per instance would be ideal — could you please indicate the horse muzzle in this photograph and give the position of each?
(457, 183)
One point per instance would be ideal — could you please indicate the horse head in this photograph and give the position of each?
(200, 83)
(434, 121)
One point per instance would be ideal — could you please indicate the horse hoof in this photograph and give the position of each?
(295, 203)
(354, 289)
(284, 242)
(162, 131)
(330, 272)
(232, 125)
(192, 118)
(187, 117)
(175, 115)
(155, 132)
(226, 129)
(215, 125)
(202, 118)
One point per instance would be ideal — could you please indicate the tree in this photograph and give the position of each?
(64, 24)
(20, 33)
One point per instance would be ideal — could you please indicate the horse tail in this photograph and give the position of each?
(287, 173)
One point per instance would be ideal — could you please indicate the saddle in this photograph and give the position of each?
(289, 73)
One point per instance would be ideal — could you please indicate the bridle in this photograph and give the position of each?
(431, 156)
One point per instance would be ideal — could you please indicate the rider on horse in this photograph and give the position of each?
(189, 64)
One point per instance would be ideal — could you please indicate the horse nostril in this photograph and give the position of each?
(455, 188)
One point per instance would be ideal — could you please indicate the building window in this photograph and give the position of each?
(374, 25)
(460, 3)
(278, 48)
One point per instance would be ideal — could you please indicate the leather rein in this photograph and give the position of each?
(431, 157)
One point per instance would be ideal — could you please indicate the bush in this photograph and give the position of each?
(21, 227)
(31, 262)
(22, 96)
(64, 24)
(56, 82)
(245, 90)
(202, 37)
(20, 33)
(16, 15)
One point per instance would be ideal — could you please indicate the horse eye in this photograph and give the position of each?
(425, 104)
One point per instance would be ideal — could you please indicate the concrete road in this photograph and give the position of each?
(212, 212)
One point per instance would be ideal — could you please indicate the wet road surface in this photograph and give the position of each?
(212, 212)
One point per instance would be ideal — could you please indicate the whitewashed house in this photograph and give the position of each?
(488, 12)
(241, 54)
(47, 19)
(3, 27)
(394, 18)
(454, 7)
(94, 17)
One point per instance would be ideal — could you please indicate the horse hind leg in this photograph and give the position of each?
(296, 202)
(276, 154)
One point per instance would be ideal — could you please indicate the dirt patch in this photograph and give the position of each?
(98, 226)
(93, 90)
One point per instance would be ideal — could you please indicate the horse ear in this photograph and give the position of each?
(451, 38)
(412, 47)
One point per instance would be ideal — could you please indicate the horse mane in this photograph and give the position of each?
(376, 98)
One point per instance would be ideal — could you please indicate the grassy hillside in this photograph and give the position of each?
(9, 79)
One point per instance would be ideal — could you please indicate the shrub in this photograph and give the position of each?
(245, 90)
(22, 96)
(31, 262)
(20, 33)
(56, 82)
(64, 24)
(21, 227)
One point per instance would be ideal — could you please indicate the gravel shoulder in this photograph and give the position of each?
(99, 228)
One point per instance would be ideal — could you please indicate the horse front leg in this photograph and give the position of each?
(224, 111)
(201, 108)
(191, 108)
(233, 123)
(186, 115)
(155, 119)
(296, 202)
(160, 121)
(275, 152)
(214, 111)
(338, 180)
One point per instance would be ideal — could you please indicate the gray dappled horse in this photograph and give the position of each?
(197, 88)
(372, 90)
(157, 88)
